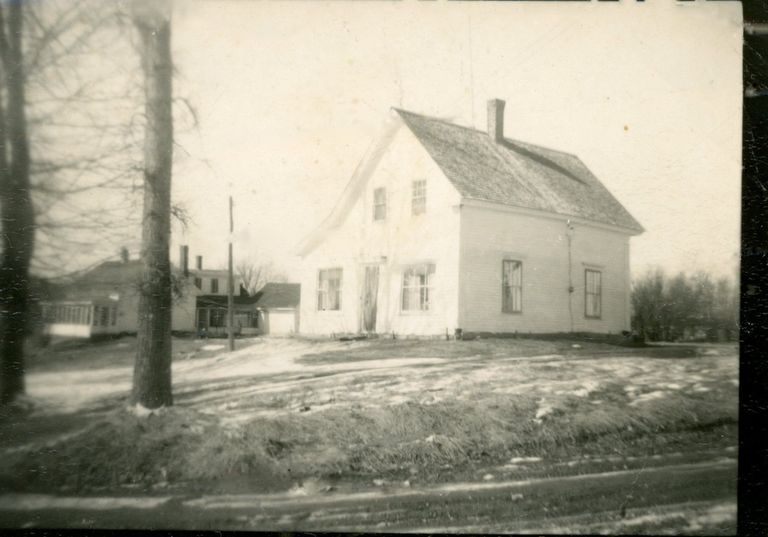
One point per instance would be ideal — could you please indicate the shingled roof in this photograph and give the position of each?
(516, 173)
(278, 295)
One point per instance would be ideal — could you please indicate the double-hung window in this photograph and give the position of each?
(419, 197)
(592, 293)
(512, 286)
(380, 203)
(417, 287)
(214, 285)
(329, 289)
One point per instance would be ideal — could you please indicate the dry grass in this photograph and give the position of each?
(181, 445)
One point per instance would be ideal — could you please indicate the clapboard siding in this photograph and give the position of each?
(398, 241)
(490, 235)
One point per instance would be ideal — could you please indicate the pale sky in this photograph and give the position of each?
(290, 94)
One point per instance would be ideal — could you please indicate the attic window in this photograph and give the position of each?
(199, 283)
(419, 199)
(379, 204)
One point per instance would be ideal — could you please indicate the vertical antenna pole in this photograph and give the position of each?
(231, 286)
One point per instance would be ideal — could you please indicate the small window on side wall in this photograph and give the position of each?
(512, 286)
(379, 204)
(593, 294)
(329, 289)
(419, 197)
(214, 285)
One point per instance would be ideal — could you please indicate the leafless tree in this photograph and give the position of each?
(254, 275)
(152, 370)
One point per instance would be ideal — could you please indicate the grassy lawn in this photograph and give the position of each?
(280, 413)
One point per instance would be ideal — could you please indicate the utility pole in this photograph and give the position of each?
(231, 286)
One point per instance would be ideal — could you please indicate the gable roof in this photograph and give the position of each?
(517, 173)
(278, 295)
(102, 280)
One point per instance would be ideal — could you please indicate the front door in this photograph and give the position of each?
(369, 293)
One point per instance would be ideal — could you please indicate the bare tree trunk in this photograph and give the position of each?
(152, 370)
(16, 211)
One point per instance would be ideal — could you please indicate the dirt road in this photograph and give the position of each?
(687, 498)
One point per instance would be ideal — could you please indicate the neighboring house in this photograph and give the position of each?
(104, 300)
(273, 310)
(444, 228)
(278, 307)
(212, 315)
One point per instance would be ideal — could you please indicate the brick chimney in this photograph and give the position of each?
(199, 262)
(496, 119)
(184, 259)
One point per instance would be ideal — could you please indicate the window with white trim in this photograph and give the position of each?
(419, 197)
(512, 286)
(329, 289)
(417, 287)
(380, 203)
(593, 293)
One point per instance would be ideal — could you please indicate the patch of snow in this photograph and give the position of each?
(488, 477)
(650, 396)
(653, 518)
(515, 496)
(517, 460)
(671, 386)
(35, 502)
(379, 482)
(544, 410)
(211, 347)
(718, 514)
(140, 411)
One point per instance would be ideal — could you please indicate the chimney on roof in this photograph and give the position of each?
(496, 119)
(199, 262)
(184, 259)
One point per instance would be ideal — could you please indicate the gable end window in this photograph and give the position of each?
(329, 289)
(417, 287)
(379, 204)
(593, 294)
(419, 197)
(214, 285)
(512, 286)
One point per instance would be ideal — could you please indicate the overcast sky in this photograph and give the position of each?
(290, 94)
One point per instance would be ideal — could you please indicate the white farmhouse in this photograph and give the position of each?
(446, 229)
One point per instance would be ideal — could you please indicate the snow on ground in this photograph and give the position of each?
(273, 376)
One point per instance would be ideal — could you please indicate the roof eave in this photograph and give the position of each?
(483, 203)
